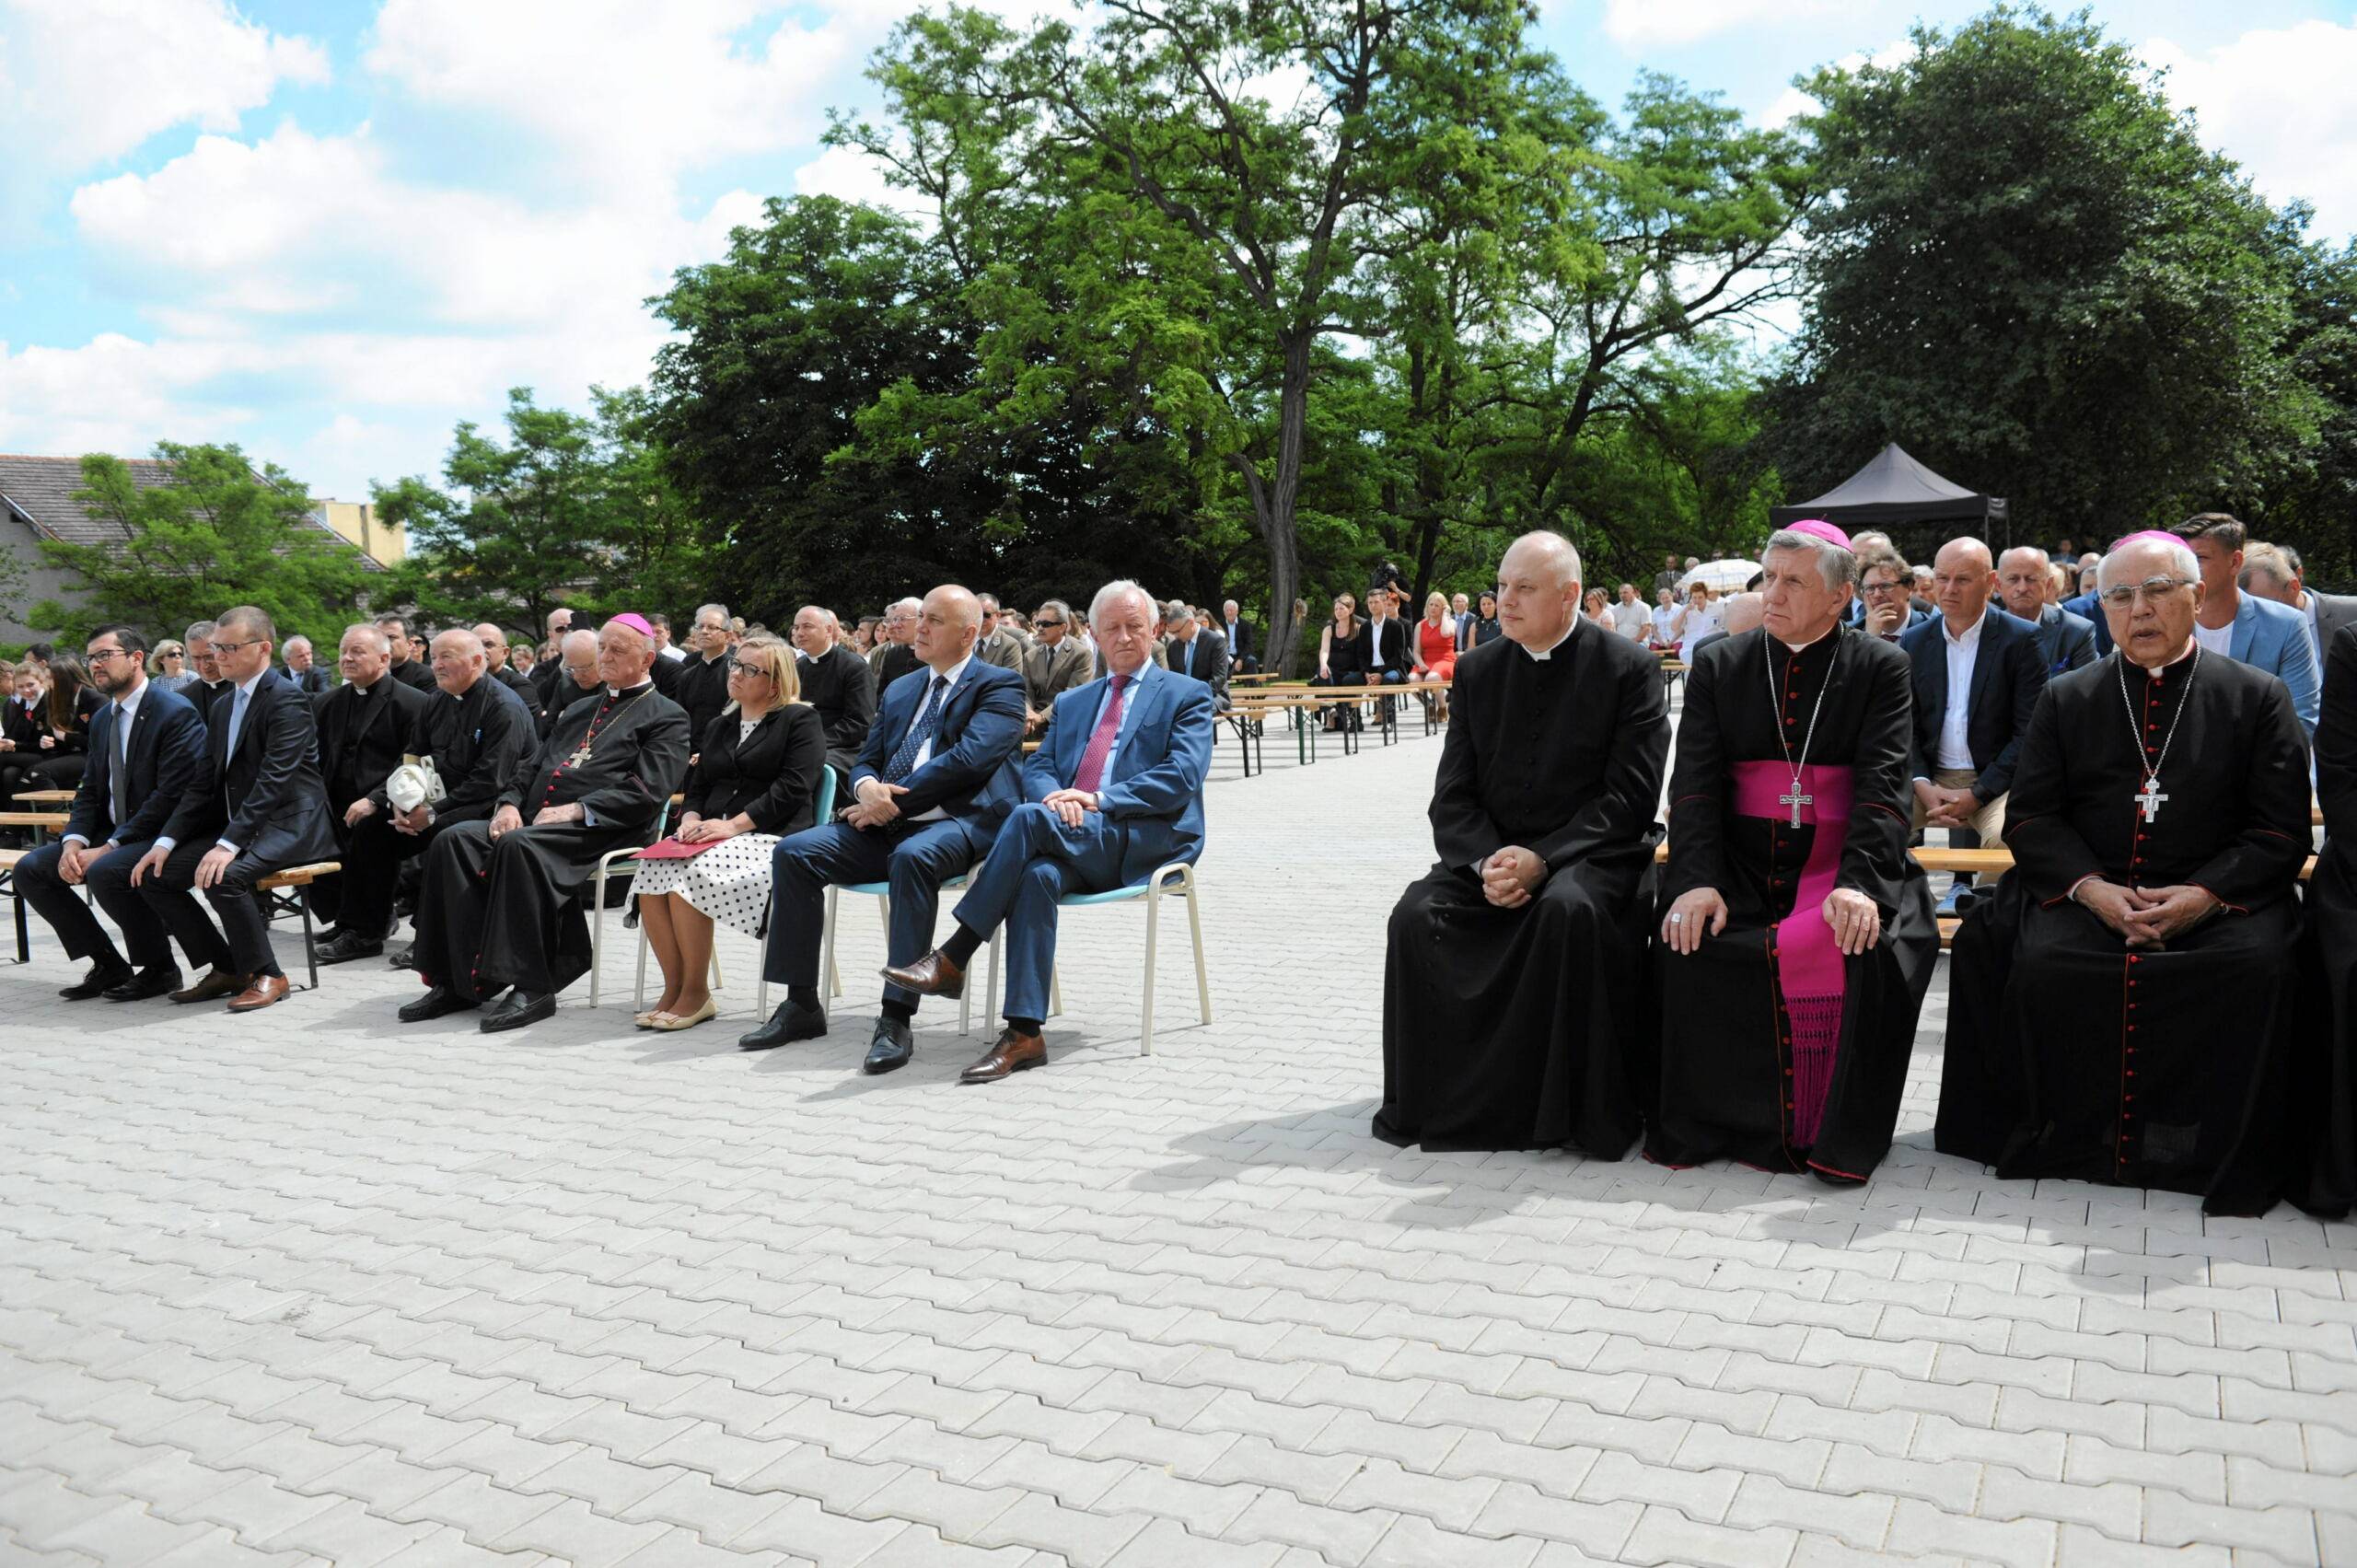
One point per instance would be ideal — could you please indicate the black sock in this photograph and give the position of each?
(959, 949)
(898, 1012)
(803, 997)
(272, 970)
(1024, 1026)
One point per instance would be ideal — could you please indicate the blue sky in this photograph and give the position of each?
(331, 230)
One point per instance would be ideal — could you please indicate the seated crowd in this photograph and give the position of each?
(2145, 996)
(485, 799)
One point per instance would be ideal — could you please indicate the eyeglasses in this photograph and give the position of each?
(101, 655)
(220, 648)
(1888, 588)
(2152, 590)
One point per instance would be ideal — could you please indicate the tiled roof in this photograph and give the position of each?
(41, 490)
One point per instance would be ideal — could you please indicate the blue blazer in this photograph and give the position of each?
(166, 749)
(2087, 608)
(1156, 788)
(2274, 637)
(2065, 641)
(969, 774)
(2008, 674)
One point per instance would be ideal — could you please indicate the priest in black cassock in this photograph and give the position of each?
(2324, 1072)
(498, 905)
(2121, 1008)
(1798, 937)
(1510, 1020)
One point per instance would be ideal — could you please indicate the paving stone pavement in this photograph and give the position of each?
(323, 1287)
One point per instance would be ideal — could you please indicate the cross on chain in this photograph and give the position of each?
(1797, 801)
(2149, 798)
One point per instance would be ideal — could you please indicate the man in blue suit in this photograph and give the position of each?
(2249, 629)
(1978, 674)
(1114, 792)
(255, 806)
(934, 780)
(145, 747)
(2065, 641)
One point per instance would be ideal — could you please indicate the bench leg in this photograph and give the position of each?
(24, 936)
(310, 952)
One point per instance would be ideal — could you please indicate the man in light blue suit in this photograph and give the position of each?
(2245, 627)
(1114, 792)
(931, 784)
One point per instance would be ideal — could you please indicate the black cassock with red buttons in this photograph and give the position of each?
(2069, 1055)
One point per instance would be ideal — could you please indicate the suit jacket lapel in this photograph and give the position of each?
(2245, 630)
(1982, 660)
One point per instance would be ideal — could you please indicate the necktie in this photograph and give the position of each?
(119, 768)
(1100, 743)
(236, 724)
(904, 757)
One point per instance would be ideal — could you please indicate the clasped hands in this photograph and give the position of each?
(1857, 924)
(707, 829)
(74, 861)
(507, 818)
(1945, 808)
(2147, 917)
(1511, 876)
(877, 803)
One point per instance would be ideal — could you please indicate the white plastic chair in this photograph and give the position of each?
(1152, 890)
(821, 809)
(618, 862)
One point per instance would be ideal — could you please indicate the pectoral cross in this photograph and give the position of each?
(2149, 798)
(1797, 801)
(580, 755)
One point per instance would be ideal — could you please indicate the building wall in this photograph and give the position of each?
(357, 522)
(41, 579)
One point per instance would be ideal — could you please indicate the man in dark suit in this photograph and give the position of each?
(549, 670)
(256, 806)
(365, 729)
(836, 681)
(303, 666)
(500, 668)
(2273, 571)
(408, 664)
(1236, 632)
(145, 747)
(1194, 652)
(2065, 641)
(1114, 792)
(1978, 673)
(933, 782)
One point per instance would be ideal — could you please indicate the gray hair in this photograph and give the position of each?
(910, 606)
(288, 646)
(201, 631)
(2181, 559)
(2044, 560)
(384, 643)
(1063, 610)
(1177, 611)
(1837, 566)
(704, 610)
(1113, 593)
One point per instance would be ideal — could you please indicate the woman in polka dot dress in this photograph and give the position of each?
(755, 779)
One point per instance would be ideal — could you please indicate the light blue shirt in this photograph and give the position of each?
(1136, 684)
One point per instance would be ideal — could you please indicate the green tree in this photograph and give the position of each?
(216, 534)
(2038, 280)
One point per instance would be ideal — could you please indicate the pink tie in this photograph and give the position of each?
(1100, 744)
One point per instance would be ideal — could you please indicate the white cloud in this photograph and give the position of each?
(848, 175)
(114, 394)
(629, 92)
(84, 82)
(2279, 101)
(1646, 23)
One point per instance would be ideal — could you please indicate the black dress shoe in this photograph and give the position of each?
(346, 945)
(518, 1008)
(890, 1047)
(788, 1024)
(159, 980)
(438, 1001)
(101, 978)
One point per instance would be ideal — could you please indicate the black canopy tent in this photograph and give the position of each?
(1902, 498)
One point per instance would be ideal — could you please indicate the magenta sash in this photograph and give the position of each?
(1804, 959)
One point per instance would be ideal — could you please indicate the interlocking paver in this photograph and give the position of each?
(333, 1289)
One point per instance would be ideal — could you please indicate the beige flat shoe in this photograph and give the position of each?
(672, 1022)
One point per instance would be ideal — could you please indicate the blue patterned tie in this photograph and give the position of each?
(904, 757)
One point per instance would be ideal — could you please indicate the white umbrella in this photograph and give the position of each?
(1727, 577)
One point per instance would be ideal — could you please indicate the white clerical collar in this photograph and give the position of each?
(1540, 656)
(1798, 649)
(2192, 646)
(630, 691)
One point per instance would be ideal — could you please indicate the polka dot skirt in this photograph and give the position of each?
(730, 883)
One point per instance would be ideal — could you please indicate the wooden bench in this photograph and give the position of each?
(48, 796)
(289, 892)
(41, 822)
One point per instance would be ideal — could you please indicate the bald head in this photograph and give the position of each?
(1964, 576)
(1539, 589)
(458, 660)
(949, 622)
(814, 630)
(494, 646)
(579, 652)
(1741, 612)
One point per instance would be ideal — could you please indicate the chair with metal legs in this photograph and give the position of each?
(1177, 880)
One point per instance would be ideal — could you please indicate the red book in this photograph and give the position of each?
(672, 849)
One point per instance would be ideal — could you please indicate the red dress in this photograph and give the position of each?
(1438, 646)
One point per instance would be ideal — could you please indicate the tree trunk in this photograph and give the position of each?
(1273, 506)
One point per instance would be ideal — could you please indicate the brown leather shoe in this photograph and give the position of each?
(1013, 1053)
(933, 975)
(216, 983)
(265, 990)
